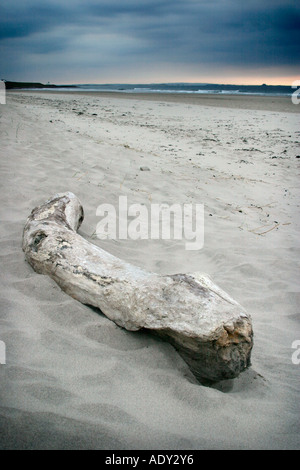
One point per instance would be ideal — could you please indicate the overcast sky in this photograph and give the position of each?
(140, 41)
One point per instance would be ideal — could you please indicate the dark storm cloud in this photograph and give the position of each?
(18, 19)
(227, 33)
(222, 32)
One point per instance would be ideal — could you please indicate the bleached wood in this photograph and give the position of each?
(210, 330)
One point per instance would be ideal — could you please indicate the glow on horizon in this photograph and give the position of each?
(218, 75)
(284, 81)
(242, 80)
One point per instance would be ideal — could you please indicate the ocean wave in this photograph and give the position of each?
(188, 89)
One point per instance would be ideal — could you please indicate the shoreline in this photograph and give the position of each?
(250, 102)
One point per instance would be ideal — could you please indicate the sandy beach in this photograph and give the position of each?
(72, 378)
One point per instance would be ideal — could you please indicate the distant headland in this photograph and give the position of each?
(11, 85)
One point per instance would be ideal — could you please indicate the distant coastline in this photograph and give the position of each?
(25, 85)
(161, 88)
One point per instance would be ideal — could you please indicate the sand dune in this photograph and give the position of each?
(72, 378)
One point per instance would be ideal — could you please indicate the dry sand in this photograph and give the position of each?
(72, 378)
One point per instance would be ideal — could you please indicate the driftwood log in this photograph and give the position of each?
(208, 328)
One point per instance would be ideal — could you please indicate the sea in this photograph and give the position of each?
(189, 88)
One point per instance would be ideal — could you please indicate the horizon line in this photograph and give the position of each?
(149, 83)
